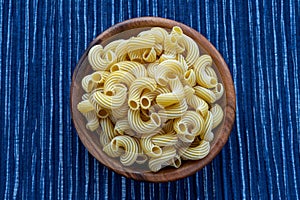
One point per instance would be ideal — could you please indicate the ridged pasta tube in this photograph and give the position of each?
(168, 153)
(219, 91)
(141, 127)
(101, 60)
(117, 77)
(135, 68)
(205, 94)
(192, 50)
(198, 104)
(148, 97)
(203, 79)
(85, 106)
(141, 42)
(217, 114)
(136, 89)
(195, 153)
(92, 120)
(206, 133)
(174, 111)
(190, 77)
(164, 140)
(110, 102)
(168, 67)
(149, 55)
(149, 148)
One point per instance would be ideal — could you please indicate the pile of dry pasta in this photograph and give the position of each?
(152, 99)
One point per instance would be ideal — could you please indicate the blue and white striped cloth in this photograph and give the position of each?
(41, 155)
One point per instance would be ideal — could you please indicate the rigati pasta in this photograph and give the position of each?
(153, 99)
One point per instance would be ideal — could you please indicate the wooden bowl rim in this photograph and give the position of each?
(191, 167)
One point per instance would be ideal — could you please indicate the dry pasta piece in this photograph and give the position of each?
(195, 153)
(135, 68)
(87, 84)
(149, 148)
(92, 120)
(151, 68)
(141, 42)
(166, 68)
(100, 59)
(177, 94)
(115, 78)
(203, 79)
(136, 89)
(158, 33)
(206, 133)
(190, 77)
(112, 46)
(121, 112)
(192, 50)
(168, 153)
(110, 102)
(149, 55)
(107, 128)
(205, 94)
(219, 91)
(198, 104)
(217, 114)
(85, 106)
(165, 140)
(141, 127)
(174, 111)
(147, 97)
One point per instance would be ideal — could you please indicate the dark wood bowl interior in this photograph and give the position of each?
(91, 140)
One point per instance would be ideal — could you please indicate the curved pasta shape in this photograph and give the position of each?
(85, 96)
(151, 68)
(149, 55)
(155, 164)
(217, 114)
(130, 146)
(85, 106)
(135, 68)
(198, 104)
(195, 153)
(142, 157)
(218, 91)
(136, 89)
(164, 140)
(87, 83)
(149, 148)
(141, 127)
(203, 79)
(191, 122)
(148, 97)
(206, 133)
(168, 126)
(211, 72)
(110, 102)
(107, 128)
(205, 94)
(103, 139)
(99, 76)
(136, 55)
(172, 45)
(115, 78)
(188, 91)
(159, 34)
(101, 60)
(174, 111)
(190, 77)
(121, 51)
(165, 57)
(121, 112)
(141, 42)
(92, 120)
(177, 94)
(192, 50)
(182, 61)
(122, 127)
(166, 68)
(112, 46)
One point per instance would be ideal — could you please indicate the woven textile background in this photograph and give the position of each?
(41, 155)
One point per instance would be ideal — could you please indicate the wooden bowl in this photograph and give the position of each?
(91, 140)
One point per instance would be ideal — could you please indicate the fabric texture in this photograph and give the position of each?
(41, 155)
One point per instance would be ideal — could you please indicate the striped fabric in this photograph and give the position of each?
(41, 155)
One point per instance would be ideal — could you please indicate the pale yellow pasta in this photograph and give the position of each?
(135, 68)
(168, 153)
(206, 133)
(195, 153)
(121, 112)
(190, 77)
(100, 59)
(149, 148)
(92, 120)
(110, 102)
(205, 94)
(192, 50)
(148, 97)
(151, 99)
(87, 84)
(198, 104)
(203, 79)
(112, 46)
(136, 56)
(141, 42)
(217, 114)
(166, 68)
(177, 94)
(141, 127)
(219, 91)
(174, 111)
(136, 89)
(107, 128)
(130, 146)
(149, 55)
(165, 57)
(165, 140)
(85, 106)
(151, 68)
(115, 78)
